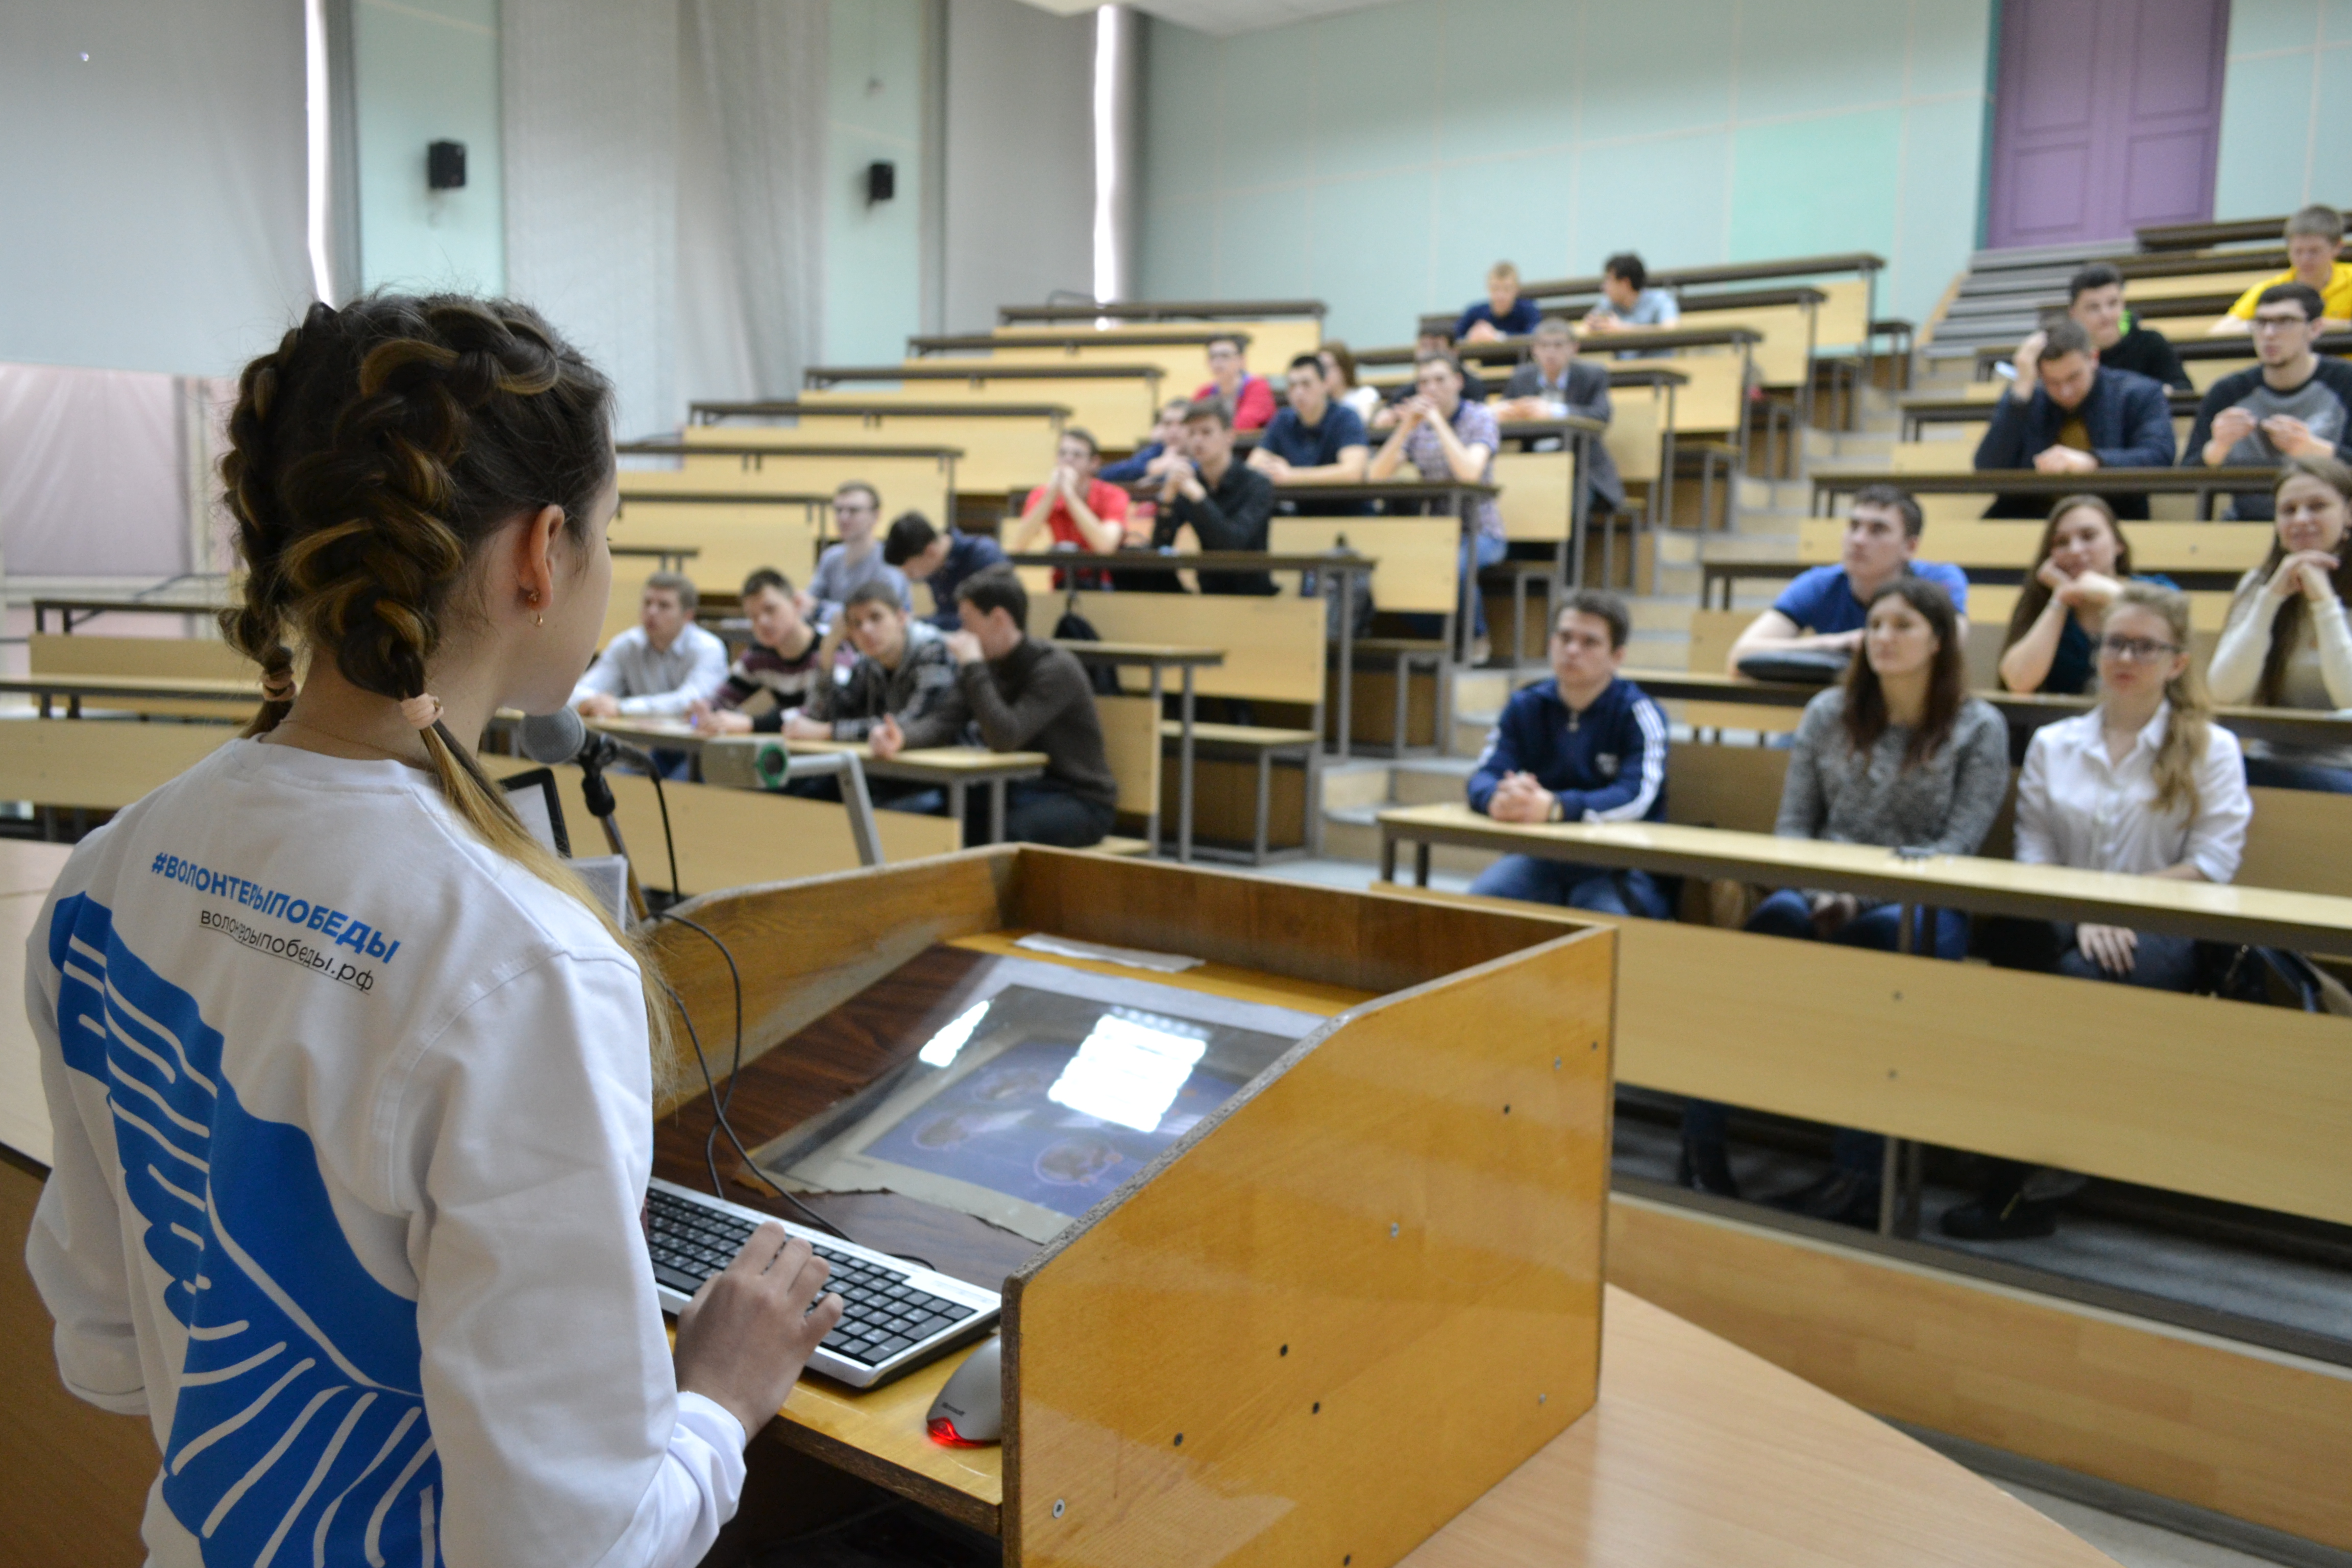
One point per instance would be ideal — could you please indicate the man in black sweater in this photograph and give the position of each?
(2068, 414)
(1030, 695)
(2293, 405)
(2095, 298)
(1227, 505)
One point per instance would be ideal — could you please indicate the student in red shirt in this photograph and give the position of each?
(1077, 509)
(1248, 398)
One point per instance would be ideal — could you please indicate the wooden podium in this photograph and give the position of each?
(1232, 1358)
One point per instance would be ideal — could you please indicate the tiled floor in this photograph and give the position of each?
(2130, 1542)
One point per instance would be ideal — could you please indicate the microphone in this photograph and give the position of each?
(560, 737)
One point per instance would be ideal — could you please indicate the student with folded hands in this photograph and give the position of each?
(2287, 642)
(1900, 755)
(2144, 783)
(2083, 562)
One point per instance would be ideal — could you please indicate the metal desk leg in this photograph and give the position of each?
(1265, 805)
(1347, 660)
(955, 807)
(1151, 832)
(1899, 1167)
(1421, 863)
(1184, 774)
(996, 811)
(1579, 500)
(1388, 853)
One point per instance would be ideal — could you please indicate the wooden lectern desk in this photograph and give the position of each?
(1354, 1316)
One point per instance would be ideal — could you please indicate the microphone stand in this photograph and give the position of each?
(601, 805)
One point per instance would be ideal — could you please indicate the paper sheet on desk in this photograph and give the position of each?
(1133, 957)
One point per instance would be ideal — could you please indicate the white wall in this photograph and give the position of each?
(589, 91)
(2284, 108)
(426, 71)
(1020, 158)
(152, 193)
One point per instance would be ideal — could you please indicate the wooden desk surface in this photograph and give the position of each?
(979, 370)
(1194, 561)
(2260, 916)
(2307, 727)
(971, 763)
(2029, 481)
(1699, 1454)
(850, 409)
(95, 687)
(1139, 653)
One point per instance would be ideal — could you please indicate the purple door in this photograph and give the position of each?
(2105, 117)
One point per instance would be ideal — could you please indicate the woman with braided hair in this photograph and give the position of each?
(351, 1081)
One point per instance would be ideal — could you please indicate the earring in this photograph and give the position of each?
(538, 620)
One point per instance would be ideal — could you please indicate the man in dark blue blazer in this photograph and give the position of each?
(2066, 413)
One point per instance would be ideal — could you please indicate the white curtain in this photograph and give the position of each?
(153, 194)
(750, 195)
(92, 481)
(590, 112)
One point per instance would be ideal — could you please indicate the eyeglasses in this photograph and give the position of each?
(2280, 323)
(2137, 650)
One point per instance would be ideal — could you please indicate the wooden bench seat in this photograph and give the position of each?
(1234, 764)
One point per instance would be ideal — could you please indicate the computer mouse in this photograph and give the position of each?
(970, 1411)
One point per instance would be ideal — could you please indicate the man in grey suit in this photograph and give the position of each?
(1555, 382)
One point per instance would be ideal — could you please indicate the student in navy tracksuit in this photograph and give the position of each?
(1582, 747)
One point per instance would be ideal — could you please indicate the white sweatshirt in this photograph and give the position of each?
(352, 1126)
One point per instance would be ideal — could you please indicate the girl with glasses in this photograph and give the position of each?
(2144, 783)
(2286, 643)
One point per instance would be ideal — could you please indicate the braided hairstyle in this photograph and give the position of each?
(371, 455)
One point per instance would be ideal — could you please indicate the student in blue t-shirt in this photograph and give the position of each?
(1313, 440)
(1584, 746)
(1505, 312)
(2079, 568)
(1825, 608)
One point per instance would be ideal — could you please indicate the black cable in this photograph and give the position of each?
(676, 892)
(721, 1104)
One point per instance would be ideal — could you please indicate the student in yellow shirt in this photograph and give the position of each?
(2313, 237)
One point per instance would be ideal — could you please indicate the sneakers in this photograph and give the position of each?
(1704, 1168)
(1481, 650)
(1842, 1198)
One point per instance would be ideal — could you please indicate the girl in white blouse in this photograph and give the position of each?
(2287, 643)
(2145, 783)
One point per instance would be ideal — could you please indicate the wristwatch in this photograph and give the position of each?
(1558, 813)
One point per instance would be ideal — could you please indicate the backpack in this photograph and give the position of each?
(1075, 627)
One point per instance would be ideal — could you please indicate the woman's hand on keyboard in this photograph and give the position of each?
(745, 1336)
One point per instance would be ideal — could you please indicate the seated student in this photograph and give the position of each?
(900, 695)
(2068, 414)
(2095, 298)
(1586, 746)
(2285, 642)
(2292, 405)
(784, 661)
(664, 664)
(1214, 502)
(1074, 510)
(1030, 695)
(1313, 440)
(1449, 437)
(854, 561)
(1339, 371)
(1505, 312)
(1826, 605)
(1556, 383)
(2144, 785)
(1166, 436)
(1898, 755)
(2314, 236)
(943, 559)
(1248, 399)
(1628, 301)
(2081, 564)
(1393, 401)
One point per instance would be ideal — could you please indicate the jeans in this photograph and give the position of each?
(1595, 887)
(1489, 550)
(2159, 963)
(885, 795)
(1039, 811)
(1791, 913)
(2280, 773)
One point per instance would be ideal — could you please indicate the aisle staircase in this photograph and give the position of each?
(1766, 524)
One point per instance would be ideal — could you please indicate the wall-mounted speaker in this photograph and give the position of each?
(444, 166)
(881, 182)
